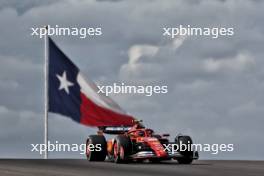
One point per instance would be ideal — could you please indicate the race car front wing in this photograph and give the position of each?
(151, 154)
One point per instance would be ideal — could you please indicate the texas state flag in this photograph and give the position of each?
(72, 96)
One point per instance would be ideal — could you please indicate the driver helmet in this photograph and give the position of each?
(141, 133)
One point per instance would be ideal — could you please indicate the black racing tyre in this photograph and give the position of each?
(122, 148)
(156, 160)
(139, 160)
(187, 154)
(95, 154)
(184, 160)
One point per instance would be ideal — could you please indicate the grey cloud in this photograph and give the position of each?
(108, 0)
(25, 5)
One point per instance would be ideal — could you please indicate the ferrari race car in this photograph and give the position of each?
(137, 144)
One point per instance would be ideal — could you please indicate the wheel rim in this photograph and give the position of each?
(115, 151)
(121, 152)
(88, 152)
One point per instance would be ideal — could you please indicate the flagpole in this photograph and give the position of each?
(46, 97)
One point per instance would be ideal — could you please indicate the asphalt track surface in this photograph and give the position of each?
(69, 167)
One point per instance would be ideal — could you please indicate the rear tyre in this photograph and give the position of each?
(187, 154)
(122, 149)
(139, 161)
(156, 160)
(93, 153)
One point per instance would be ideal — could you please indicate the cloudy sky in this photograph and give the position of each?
(215, 86)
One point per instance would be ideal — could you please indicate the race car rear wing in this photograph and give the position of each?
(114, 130)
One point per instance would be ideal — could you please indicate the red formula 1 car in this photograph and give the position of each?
(136, 143)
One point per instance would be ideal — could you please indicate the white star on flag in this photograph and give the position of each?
(64, 83)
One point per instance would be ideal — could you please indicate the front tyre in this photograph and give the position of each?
(94, 153)
(187, 155)
(184, 160)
